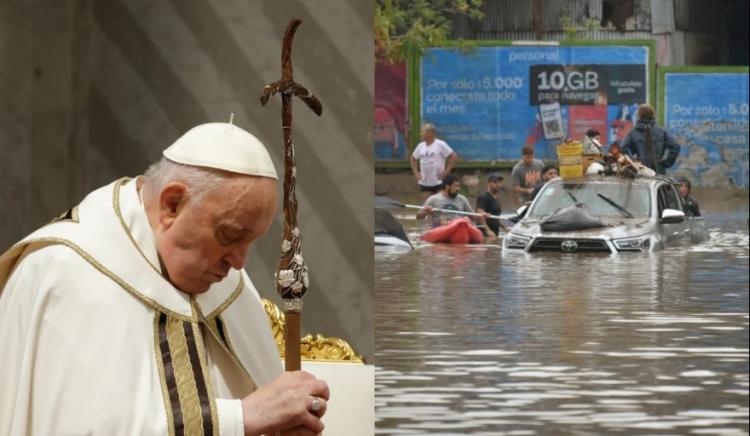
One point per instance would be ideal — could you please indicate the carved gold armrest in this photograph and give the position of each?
(313, 347)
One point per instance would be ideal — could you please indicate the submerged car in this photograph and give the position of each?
(607, 214)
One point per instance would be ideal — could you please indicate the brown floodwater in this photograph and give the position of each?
(471, 340)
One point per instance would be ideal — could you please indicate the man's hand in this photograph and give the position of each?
(285, 405)
(426, 210)
(418, 176)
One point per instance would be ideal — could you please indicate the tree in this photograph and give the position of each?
(404, 27)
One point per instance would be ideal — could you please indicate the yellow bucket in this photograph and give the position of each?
(570, 158)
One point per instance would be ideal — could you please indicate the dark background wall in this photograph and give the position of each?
(91, 91)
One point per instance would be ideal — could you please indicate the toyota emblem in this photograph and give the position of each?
(569, 246)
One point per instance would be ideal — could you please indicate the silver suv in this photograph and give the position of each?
(641, 214)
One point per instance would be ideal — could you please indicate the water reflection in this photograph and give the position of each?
(471, 340)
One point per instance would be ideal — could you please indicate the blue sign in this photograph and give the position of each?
(486, 103)
(708, 113)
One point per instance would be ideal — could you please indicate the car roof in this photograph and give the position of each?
(595, 179)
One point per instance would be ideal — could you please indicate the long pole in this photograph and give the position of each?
(291, 274)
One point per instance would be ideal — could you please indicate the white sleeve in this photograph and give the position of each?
(20, 300)
(415, 155)
(231, 419)
(447, 150)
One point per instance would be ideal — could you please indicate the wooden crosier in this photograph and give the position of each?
(291, 275)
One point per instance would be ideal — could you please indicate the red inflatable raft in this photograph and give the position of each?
(458, 231)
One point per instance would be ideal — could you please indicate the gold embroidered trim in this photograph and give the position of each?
(149, 301)
(184, 378)
(213, 330)
(206, 376)
(118, 213)
(233, 296)
(162, 376)
(211, 324)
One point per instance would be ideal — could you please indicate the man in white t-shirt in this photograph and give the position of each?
(436, 160)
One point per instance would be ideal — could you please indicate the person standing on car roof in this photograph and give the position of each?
(652, 145)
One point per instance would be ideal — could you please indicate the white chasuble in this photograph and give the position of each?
(94, 340)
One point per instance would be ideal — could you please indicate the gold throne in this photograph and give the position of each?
(313, 347)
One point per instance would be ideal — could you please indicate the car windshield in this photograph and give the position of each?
(615, 200)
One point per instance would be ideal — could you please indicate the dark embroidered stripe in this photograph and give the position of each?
(220, 328)
(166, 356)
(200, 382)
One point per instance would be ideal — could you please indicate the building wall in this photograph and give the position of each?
(690, 32)
(91, 91)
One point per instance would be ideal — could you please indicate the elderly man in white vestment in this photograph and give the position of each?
(131, 314)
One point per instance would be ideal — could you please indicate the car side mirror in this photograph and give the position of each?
(522, 210)
(672, 216)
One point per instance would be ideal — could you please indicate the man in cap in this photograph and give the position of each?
(489, 202)
(131, 313)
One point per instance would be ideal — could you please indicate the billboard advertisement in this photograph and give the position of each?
(489, 102)
(708, 113)
(390, 111)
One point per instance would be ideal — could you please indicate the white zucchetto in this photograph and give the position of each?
(222, 146)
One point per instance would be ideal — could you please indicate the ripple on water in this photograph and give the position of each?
(476, 341)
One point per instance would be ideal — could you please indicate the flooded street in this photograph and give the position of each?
(471, 340)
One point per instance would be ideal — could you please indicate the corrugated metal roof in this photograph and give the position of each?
(507, 15)
(600, 35)
(517, 15)
(577, 10)
(503, 16)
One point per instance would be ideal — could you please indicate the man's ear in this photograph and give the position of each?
(171, 200)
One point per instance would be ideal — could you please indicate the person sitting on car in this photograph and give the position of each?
(591, 142)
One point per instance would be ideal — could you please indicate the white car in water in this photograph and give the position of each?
(607, 214)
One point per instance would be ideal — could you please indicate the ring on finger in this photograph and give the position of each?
(316, 403)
